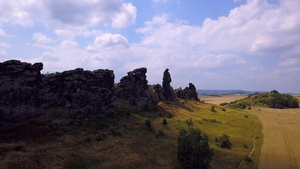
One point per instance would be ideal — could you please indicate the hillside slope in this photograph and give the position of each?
(120, 139)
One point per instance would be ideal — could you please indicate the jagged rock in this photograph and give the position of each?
(25, 92)
(133, 86)
(20, 83)
(188, 93)
(168, 91)
(78, 89)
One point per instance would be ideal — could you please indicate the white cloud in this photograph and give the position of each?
(91, 12)
(41, 38)
(125, 17)
(18, 12)
(108, 41)
(68, 44)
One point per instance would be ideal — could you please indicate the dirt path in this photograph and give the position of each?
(253, 147)
(281, 147)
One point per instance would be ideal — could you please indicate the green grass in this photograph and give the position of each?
(121, 139)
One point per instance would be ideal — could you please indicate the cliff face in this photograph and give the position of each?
(26, 93)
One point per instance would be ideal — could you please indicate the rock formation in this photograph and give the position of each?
(26, 93)
(168, 91)
(188, 93)
(78, 89)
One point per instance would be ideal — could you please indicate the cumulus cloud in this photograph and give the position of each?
(108, 41)
(18, 12)
(113, 13)
(41, 38)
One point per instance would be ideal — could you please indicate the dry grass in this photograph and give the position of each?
(221, 99)
(123, 141)
(281, 148)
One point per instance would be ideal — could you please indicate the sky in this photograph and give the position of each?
(214, 44)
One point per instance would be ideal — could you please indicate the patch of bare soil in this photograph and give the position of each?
(281, 147)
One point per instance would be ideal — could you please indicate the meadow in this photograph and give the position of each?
(122, 140)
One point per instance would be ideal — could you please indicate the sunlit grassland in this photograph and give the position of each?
(121, 140)
(241, 126)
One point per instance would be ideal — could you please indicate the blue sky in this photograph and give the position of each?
(215, 44)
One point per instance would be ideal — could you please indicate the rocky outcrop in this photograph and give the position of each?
(168, 91)
(25, 93)
(188, 93)
(79, 89)
(20, 83)
(133, 87)
(60, 97)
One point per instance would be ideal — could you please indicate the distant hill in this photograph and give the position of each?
(271, 99)
(223, 92)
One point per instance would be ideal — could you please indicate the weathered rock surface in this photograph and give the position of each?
(133, 87)
(20, 83)
(25, 93)
(60, 97)
(188, 93)
(168, 91)
(78, 89)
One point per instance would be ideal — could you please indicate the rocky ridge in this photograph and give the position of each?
(26, 93)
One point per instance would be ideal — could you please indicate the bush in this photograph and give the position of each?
(189, 122)
(193, 150)
(224, 104)
(148, 124)
(213, 109)
(164, 122)
(224, 141)
(248, 160)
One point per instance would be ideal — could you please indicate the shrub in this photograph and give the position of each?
(193, 150)
(248, 159)
(189, 122)
(148, 124)
(224, 141)
(213, 109)
(164, 122)
(224, 104)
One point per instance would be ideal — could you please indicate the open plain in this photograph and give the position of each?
(221, 98)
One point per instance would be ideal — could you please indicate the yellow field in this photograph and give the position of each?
(221, 99)
(281, 147)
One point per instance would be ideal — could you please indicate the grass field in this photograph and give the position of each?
(281, 147)
(121, 139)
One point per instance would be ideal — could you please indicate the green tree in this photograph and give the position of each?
(193, 150)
